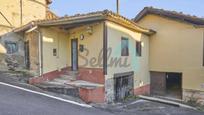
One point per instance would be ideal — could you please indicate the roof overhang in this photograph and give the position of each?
(77, 20)
(49, 1)
(173, 15)
(24, 28)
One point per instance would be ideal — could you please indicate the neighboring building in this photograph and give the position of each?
(13, 14)
(105, 49)
(176, 53)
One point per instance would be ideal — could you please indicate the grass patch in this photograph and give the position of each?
(131, 97)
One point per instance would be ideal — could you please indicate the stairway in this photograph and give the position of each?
(59, 85)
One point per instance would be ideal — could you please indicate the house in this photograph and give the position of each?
(111, 57)
(102, 48)
(176, 58)
(13, 14)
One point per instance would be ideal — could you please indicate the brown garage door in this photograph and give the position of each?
(158, 83)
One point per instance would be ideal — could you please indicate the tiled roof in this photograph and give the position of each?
(49, 1)
(93, 16)
(179, 16)
(50, 15)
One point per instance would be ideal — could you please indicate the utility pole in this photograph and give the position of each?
(118, 6)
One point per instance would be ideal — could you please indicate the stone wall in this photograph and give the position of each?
(17, 57)
(109, 90)
(193, 96)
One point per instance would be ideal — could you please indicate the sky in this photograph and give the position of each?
(128, 8)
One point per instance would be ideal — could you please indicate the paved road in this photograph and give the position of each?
(18, 102)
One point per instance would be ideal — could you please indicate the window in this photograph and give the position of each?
(138, 48)
(11, 47)
(54, 52)
(124, 47)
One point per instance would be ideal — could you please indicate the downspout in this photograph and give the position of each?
(105, 48)
(203, 46)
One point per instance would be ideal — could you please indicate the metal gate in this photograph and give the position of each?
(123, 87)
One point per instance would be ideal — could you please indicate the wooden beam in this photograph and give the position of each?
(6, 19)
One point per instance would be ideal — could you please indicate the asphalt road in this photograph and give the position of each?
(18, 102)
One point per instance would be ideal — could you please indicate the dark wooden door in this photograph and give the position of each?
(74, 50)
(27, 55)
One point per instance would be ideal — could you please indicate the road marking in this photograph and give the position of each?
(46, 95)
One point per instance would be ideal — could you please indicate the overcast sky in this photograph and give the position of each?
(128, 8)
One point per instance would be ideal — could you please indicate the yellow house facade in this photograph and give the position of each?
(92, 46)
(176, 48)
(119, 56)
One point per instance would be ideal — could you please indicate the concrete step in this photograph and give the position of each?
(72, 73)
(84, 84)
(67, 77)
(59, 88)
(61, 81)
(66, 91)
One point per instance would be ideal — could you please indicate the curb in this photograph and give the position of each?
(166, 102)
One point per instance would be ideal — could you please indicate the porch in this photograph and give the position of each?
(65, 52)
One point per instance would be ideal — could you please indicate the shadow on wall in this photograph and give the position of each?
(2, 49)
(3, 64)
(9, 61)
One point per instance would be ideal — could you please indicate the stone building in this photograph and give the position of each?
(14, 14)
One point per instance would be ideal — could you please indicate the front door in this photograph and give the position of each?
(27, 55)
(74, 51)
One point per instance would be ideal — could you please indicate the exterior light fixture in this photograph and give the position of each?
(89, 30)
(82, 37)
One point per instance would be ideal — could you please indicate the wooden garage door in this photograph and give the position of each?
(158, 83)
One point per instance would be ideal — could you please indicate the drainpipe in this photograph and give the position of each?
(203, 46)
(39, 48)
